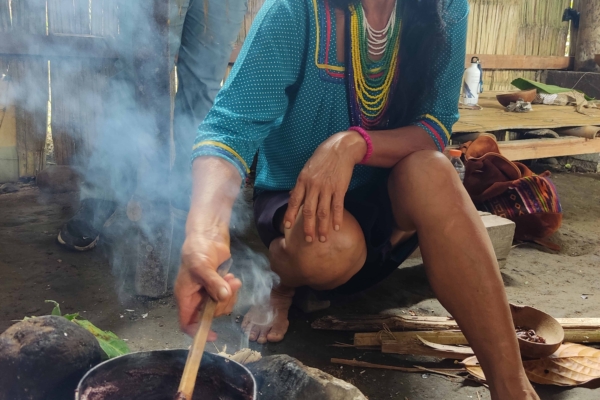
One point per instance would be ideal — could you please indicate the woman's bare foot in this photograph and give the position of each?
(269, 322)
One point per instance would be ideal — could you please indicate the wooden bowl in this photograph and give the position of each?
(544, 325)
(525, 95)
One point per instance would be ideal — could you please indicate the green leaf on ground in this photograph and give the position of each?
(110, 343)
(71, 317)
(56, 309)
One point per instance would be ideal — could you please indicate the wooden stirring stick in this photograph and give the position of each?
(192, 364)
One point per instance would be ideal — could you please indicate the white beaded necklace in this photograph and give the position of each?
(377, 40)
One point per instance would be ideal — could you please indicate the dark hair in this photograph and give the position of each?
(423, 35)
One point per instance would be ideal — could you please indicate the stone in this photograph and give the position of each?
(9, 188)
(283, 377)
(549, 161)
(502, 233)
(44, 358)
(58, 179)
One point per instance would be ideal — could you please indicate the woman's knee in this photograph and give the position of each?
(424, 184)
(425, 166)
(321, 264)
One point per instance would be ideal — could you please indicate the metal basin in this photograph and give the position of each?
(155, 375)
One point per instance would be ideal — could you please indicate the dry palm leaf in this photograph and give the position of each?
(571, 365)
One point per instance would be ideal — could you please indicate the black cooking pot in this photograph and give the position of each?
(155, 375)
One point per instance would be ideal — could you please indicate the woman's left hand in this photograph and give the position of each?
(323, 183)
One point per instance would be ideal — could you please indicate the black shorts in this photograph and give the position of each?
(372, 209)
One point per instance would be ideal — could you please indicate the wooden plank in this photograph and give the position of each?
(493, 117)
(57, 46)
(530, 149)
(494, 61)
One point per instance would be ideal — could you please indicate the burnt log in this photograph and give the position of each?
(283, 377)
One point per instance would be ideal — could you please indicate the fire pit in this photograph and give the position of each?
(155, 375)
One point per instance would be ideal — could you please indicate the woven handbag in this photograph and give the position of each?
(511, 190)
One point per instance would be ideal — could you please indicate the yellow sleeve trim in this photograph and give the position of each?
(224, 147)
(437, 121)
(319, 65)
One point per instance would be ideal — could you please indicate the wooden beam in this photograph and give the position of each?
(588, 44)
(13, 44)
(492, 61)
(529, 149)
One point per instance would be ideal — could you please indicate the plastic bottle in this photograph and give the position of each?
(457, 163)
(472, 83)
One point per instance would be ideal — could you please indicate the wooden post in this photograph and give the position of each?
(588, 40)
(151, 69)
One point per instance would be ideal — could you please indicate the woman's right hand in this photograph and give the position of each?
(200, 258)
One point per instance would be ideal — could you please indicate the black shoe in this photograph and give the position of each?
(82, 231)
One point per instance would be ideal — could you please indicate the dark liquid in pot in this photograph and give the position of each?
(156, 378)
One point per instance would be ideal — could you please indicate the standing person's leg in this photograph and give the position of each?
(207, 37)
(209, 31)
(109, 175)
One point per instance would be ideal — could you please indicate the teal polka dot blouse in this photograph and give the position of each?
(286, 93)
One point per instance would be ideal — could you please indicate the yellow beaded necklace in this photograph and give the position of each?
(371, 85)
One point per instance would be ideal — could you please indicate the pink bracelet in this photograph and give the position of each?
(367, 138)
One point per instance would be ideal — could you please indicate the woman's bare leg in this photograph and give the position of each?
(427, 195)
(322, 266)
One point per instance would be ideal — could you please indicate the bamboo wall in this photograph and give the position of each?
(520, 27)
(28, 84)
(516, 27)
(505, 27)
(76, 84)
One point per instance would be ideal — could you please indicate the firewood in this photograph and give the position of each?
(416, 348)
(450, 372)
(375, 323)
(373, 340)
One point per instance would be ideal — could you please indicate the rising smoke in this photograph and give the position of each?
(124, 154)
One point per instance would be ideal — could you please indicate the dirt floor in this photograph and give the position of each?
(33, 268)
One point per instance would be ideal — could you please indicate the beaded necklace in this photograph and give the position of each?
(370, 84)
